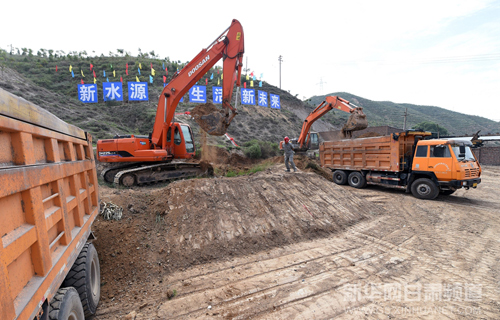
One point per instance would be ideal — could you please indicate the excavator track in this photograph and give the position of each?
(129, 176)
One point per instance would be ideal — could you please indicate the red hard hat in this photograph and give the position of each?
(287, 139)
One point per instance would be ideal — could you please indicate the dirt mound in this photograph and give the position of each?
(369, 135)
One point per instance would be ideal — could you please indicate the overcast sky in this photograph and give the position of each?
(438, 53)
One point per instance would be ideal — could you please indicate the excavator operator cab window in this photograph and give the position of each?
(169, 135)
(177, 136)
(188, 138)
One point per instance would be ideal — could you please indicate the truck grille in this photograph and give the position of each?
(471, 172)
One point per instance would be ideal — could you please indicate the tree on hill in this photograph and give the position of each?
(432, 127)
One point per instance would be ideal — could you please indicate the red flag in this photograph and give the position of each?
(166, 71)
(91, 66)
(83, 82)
(251, 74)
(206, 80)
(164, 79)
(93, 71)
(244, 85)
(56, 68)
(121, 79)
(126, 66)
(151, 65)
(126, 71)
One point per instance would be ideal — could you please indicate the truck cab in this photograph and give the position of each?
(450, 163)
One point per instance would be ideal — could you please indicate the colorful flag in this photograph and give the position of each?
(81, 70)
(245, 84)
(72, 74)
(103, 73)
(111, 66)
(206, 81)
(83, 82)
(248, 78)
(139, 70)
(126, 72)
(152, 71)
(151, 65)
(137, 79)
(251, 83)
(95, 80)
(251, 74)
(140, 66)
(211, 76)
(163, 64)
(261, 75)
(260, 83)
(150, 79)
(166, 71)
(93, 71)
(107, 79)
(218, 81)
(254, 78)
(222, 76)
(164, 79)
(121, 79)
(114, 74)
(56, 67)
(70, 68)
(126, 66)
(91, 66)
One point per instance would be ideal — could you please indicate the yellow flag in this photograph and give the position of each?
(95, 80)
(137, 79)
(222, 76)
(152, 71)
(114, 74)
(140, 66)
(248, 78)
(251, 83)
(82, 73)
(70, 68)
(218, 82)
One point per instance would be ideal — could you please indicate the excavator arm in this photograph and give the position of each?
(229, 46)
(357, 120)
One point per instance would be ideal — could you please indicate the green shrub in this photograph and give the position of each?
(253, 151)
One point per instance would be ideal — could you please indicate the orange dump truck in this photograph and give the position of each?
(404, 160)
(48, 202)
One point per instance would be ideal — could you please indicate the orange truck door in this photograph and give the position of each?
(440, 162)
(420, 161)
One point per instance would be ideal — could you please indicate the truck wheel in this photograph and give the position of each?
(66, 305)
(340, 177)
(356, 180)
(85, 277)
(424, 188)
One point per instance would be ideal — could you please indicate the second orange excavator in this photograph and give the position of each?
(307, 140)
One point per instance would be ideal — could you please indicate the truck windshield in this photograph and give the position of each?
(188, 139)
(466, 156)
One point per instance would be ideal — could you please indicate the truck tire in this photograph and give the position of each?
(340, 177)
(424, 188)
(356, 180)
(85, 277)
(66, 305)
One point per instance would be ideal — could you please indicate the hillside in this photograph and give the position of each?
(381, 113)
(35, 78)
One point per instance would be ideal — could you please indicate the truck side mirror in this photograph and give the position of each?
(461, 152)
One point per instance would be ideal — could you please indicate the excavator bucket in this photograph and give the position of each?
(211, 119)
(357, 121)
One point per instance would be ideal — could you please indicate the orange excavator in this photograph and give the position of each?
(307, 140)
(149, 159)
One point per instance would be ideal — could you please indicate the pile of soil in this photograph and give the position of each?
(191, 222)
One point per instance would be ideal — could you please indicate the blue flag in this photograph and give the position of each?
(212, 76)
(163, 64)
(107, 80)
(139, 70)
(150, 79)
(103, 73)
(72, 74)
(260, 84)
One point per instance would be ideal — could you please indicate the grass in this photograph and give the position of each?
(256, 168)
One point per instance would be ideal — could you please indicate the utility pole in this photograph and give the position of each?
(280, 59)
(321, 83)
(405, 116)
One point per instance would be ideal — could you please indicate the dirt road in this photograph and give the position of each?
(296, 246)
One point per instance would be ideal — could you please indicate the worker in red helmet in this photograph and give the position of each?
(288, 148)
